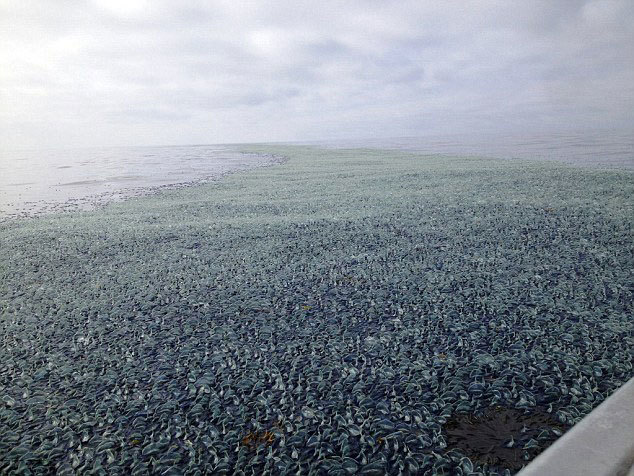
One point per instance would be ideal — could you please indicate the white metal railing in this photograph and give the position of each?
(602, 444)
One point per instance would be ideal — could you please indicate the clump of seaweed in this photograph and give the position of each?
(502, 436)
(253, 439)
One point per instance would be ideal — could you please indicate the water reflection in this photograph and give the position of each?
(33, 180)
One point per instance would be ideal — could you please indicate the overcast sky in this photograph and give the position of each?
(119, 72)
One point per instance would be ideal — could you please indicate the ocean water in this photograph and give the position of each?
(39, 181)
(35, 182)
(611, 149)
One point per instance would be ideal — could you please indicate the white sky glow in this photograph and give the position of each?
(132, 72)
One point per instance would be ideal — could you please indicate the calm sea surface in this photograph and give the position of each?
(33, 182)
(595, 149)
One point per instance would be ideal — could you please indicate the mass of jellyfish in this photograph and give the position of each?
(348, 312)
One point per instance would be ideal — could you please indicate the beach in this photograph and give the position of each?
(337, 313)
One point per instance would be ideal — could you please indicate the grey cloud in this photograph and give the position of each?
(112, 72)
